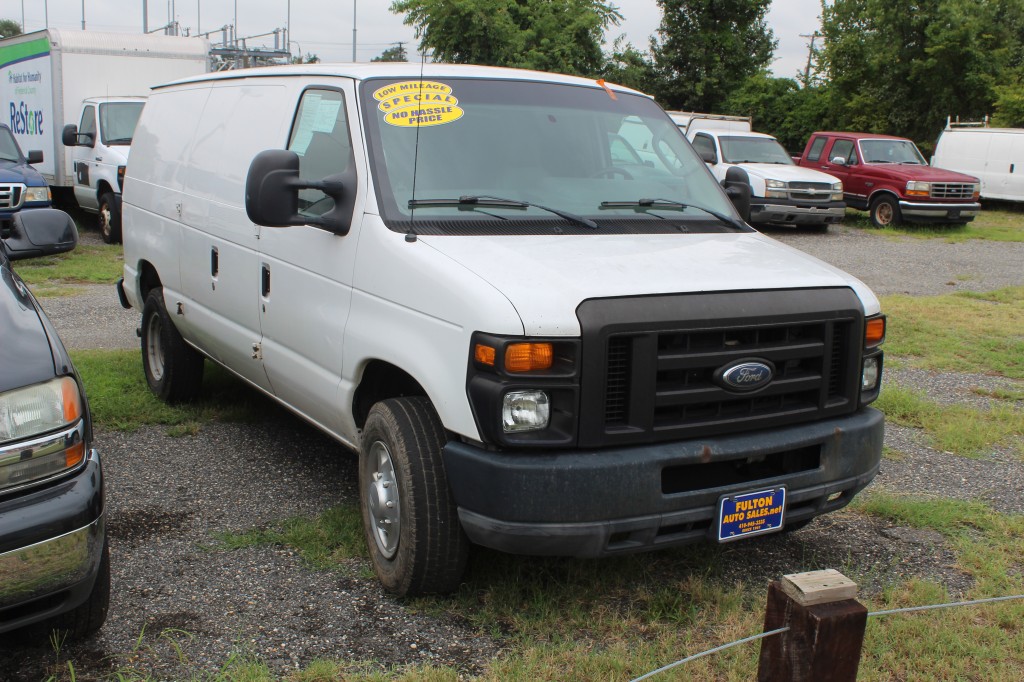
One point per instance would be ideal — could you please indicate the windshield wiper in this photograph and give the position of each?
(644, 205)
(470, 202)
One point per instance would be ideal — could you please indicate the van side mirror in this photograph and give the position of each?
(272, 193)
(708, 156)
(40, 232)
(70, 137)
(35, 156)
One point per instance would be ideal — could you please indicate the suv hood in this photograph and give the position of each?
(27, 357)
(785, 172)
(906, 171)
(547, 277)
(12, 171)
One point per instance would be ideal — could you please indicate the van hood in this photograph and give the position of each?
(547, 277)
(905, 171)
(787, 173)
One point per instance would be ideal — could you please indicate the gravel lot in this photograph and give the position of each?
(181, 605)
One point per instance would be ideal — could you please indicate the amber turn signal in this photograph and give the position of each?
(874, 332)
(528, 357)
(484, 354)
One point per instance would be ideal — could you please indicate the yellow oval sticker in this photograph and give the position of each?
(413, 115)
(409, 87)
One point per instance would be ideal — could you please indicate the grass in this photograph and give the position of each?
(961, 332)
(1003, 222)
(87, 264)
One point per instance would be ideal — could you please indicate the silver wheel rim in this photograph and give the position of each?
(382, 500)
(154, 349)
(105, 218)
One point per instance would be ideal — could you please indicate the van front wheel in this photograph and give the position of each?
(174, 370)
(109, 218)
(416, 543)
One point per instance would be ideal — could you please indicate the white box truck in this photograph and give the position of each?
(781, 193)
(47, 76)
(994, 155)
(537, 340)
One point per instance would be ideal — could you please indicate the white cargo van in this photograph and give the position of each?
(535, 339)
(781, 192)
(993, 155)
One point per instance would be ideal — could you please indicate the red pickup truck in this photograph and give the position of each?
(888, 177)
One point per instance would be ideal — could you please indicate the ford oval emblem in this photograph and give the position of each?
(745, 375)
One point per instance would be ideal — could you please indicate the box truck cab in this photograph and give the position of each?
(994, 155)
(100, 145)
(535, 340)
(781, 193)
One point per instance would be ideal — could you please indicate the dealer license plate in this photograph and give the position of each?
(747, 514)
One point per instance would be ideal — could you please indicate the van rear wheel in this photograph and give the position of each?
(174, 370)
(109, 218)
(885, 211)
(416, 543)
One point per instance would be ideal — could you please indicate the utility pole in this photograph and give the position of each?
(145, 16)
(83, 15)
(810, 55)
(353, 30)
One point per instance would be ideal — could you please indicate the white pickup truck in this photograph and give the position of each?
(781, 193)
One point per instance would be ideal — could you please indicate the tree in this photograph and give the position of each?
(548, 35)
(705, 49)
(393, 54)
(893, 70)
(626, 65)
(780, 107)
(9, 28)
(308, 59)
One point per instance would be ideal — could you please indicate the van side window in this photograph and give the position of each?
(88, 124)
(814, 153)
(320, 137)
(844, 149)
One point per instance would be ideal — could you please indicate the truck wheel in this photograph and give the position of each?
(416, 543)
(109, 219)
(174, 370)
(885, 211)
(84, 620)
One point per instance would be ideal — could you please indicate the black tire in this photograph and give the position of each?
(109, 219)
(174, 370)
(85, 619)
(402, 483)
(885, 211)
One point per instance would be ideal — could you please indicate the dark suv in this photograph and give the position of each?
(21, 185)
(54, 562)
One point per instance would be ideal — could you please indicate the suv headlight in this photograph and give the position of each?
(37, 194)
(41, 431)
(917, 188)
(837, 191)
(775, 189)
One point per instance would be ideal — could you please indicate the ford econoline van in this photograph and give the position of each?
(994, 155)
(536, 339)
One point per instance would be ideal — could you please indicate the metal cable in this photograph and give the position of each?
(908, 609)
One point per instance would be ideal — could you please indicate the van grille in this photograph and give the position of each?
(810, 191)
(656, 382)
(952, 190)
(11, 195)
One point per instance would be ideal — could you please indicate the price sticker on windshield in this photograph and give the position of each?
(415, 104)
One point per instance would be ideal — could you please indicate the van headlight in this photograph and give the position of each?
(775, 189)
(525, 411)
(41, 431)
(37, 194)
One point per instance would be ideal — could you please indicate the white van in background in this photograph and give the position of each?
(536, 339)
(994, 155)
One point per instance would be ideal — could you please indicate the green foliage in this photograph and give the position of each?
(393, 54)
(547, 35)
(1008, 110)
(626, 65)
(893, 69)
(779, 107)
(9, 28)
(706, 50)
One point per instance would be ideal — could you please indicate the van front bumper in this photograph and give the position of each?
(604, 502)
(51, 545)
(963, 212)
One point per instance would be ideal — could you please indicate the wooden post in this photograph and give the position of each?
(826, 629)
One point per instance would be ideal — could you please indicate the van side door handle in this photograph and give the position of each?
(265, 280)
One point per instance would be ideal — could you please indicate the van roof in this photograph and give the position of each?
(411, 70)
(983, 129)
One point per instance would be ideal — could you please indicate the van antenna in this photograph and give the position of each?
(410, 236)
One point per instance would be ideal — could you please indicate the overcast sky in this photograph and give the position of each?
(324, 27)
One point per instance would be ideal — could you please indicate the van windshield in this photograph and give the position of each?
(118, 121)
(480, 156)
